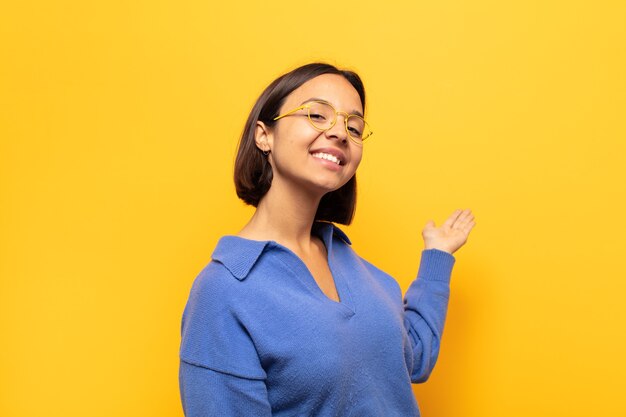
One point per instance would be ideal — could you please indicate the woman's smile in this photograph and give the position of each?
(328, 161)
(331, 158)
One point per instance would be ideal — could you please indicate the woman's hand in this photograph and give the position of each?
(452, 234)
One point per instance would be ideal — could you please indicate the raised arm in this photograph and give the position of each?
(426, 300)
(425, 309)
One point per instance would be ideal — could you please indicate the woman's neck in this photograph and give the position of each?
(285, 215)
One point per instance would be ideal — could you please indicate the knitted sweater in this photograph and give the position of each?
(260, 338)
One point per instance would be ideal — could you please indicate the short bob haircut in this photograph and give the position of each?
(253, 172)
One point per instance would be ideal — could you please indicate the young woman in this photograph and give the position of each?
(286, 319)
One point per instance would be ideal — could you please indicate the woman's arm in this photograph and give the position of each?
(220, 371)
(205, 392)
(425, 309)
(426, 300)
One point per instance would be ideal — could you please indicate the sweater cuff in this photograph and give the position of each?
(436, 265)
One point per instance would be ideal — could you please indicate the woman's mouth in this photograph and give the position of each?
(327, 157)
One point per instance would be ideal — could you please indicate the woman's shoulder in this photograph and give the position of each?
(212, 282)
(231, 261)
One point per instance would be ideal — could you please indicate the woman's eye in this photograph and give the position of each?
(317, 116)
(354, 131)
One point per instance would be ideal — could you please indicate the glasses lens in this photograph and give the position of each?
(358, 128)
(321, 115)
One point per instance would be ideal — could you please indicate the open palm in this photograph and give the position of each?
(452, 234)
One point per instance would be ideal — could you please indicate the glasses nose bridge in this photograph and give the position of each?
(346, 116)
(345, 123)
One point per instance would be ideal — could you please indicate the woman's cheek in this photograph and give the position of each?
(357, 161)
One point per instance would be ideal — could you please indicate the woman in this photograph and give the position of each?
(286, 319)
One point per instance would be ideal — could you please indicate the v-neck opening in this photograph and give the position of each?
(345, 300)
(332, 275)
(341, 285)
(324, 231)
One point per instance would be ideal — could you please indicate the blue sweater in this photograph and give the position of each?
(260, 338)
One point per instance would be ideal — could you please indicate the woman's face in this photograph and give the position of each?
(298, 149)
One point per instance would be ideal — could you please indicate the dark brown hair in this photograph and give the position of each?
(253, 172)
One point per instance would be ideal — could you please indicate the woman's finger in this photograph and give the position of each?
(452, 219)
(462, 219)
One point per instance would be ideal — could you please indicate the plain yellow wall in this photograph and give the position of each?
(118, 126)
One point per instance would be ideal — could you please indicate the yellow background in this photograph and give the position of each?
(119, 122)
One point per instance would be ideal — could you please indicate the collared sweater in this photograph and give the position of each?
(260, 338)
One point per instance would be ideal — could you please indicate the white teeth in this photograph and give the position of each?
(327, 156)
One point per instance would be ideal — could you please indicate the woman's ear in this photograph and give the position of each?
(263, 137)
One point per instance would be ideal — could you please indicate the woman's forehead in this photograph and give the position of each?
(329, 87)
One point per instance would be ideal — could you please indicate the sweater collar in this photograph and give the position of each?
(239, 255)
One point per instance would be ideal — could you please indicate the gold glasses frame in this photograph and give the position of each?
(358, 141)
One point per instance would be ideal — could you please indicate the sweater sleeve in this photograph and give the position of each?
(425, 308)
(220, 370)
(208, 393)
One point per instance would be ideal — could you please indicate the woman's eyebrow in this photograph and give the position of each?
(315, 99)
(356, 112)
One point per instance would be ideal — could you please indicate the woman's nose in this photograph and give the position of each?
(338, 131)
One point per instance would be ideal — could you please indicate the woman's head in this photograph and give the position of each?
(295, 145)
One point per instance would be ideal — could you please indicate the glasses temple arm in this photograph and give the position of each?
(290, 112)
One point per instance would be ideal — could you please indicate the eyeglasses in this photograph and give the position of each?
(323, 116)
